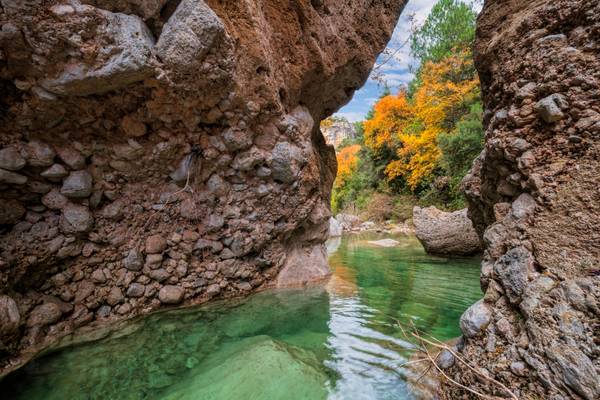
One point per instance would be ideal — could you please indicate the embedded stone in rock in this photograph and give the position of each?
(155, 244)
(55, 172)
(445, 233)
(577, 370)
(159, 275)
(12, 178)
(72, 157)
(236, 140)
(550, 108)
(171, 294)
(11, 159)
(523, 206)
(136, 290)
(11, 211)
(211, 245)
(214, 222)
(115, 296)
(133, 261)
(39, 154)
(125, 57)
(513, 269)
(54, 200)
(132, 127)
(45, 314)
(475, 319)
(247, 160)
(98, 276)
(77, 185)
(76, 219)
(9, 316)
(283, 167)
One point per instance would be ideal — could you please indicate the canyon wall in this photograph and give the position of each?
(165, 152)
(534, 196)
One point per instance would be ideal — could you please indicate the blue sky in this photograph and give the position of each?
(396, 71)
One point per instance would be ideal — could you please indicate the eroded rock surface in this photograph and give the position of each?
(534, 198)
(448, 233)
(166, 152)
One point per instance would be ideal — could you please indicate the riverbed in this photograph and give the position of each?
(337, 341)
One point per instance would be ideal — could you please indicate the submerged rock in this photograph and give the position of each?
(445, 233)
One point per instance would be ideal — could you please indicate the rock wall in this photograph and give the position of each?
(166, 151)
(534, 197)
(338, 131)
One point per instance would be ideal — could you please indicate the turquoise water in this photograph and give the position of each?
(341, 341)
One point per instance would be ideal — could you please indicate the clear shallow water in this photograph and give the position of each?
(338, 342)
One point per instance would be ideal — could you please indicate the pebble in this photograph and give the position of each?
(11, 159)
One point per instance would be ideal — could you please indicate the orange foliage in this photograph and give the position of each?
(347, 160)
(412, 127)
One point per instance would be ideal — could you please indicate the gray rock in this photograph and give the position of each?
(513, 270)
(217, 185)
(76, 219)
(159, 275)
(263, 172)
(40, 154)
(55, 172)
(204, 244)
(213, 290)
(475, 319)
(445, 233)
(72, 157)
(576, 370)
(283, 164)
(12, 178)
(335, 228)
(103, 311)
(54, 200)
(171, 294)
(45, 314)
(77, 185)
(236, 140)
(184, 169)
(214, 222)
(136, 290)
(303, 265)
(550, 108)
(247, 160)
(518, 368)
(133, 261)
(445, 359)
(125, 57)
(11, 159)
(10, 317)
(523, 206)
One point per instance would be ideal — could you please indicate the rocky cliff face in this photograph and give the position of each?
(534, 197)
(166, 151)
(337, 132)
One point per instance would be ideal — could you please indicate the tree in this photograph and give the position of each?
(450, 25)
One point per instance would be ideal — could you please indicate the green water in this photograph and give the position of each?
(335, 342)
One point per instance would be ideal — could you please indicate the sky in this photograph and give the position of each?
(395, 72)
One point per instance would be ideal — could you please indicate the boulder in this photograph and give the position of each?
(12, 177)
(45, 314)
(11, 159)
(475, 319)
(155, 244)
(76, 219)
(304, 265)
(77, 185)
(446, 233)
(335, 228)
(9, 316)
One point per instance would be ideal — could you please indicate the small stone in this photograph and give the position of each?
(132, 127)
(98, 276)
(103, 311)
(213, 290)
(133, 261)
(11, 159)
(84, 290)
(113, 210)
(135, 290)
(226, 254)
(73, 158)
(550, 108)
(77, 185)
(76, 219)
(12, 178)
(9, 315)
(445, 359)
(523, 206)
(244, 286)
(55, 172)
(170, 294)
(124, 309)
(263, 172)
(155, 244)
(190, 236)
(513, 270)
(115, 296)
(40, 154)
(45, 314)
(159, 275)
(518, 368)
(214, 222)
(475, 319)
(54, 200)
(237, 140)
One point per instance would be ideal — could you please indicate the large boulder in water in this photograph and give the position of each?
(254, 368)
(445, 233)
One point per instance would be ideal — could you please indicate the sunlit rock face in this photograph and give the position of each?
(534, 198)
(166, 152)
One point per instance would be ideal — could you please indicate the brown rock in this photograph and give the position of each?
(9, 316)
(45, 314)
(155, 244)
(171, 294)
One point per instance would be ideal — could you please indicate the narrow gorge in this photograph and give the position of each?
(167, 153)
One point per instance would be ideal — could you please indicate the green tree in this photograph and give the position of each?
(450, 25)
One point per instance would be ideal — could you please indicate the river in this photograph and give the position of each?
(341, 341)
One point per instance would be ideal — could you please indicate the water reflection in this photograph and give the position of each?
(340, 342)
